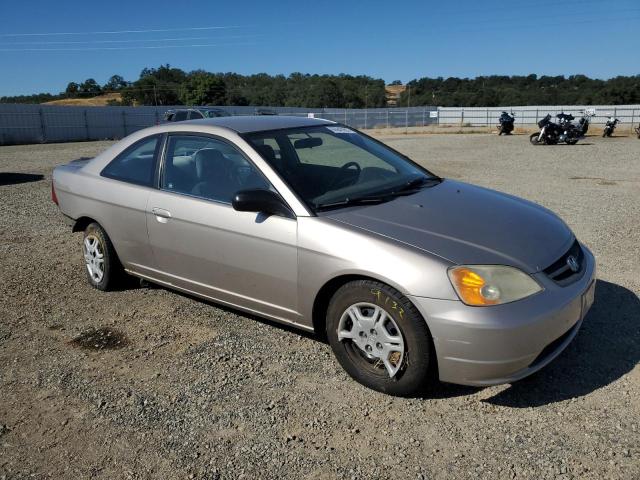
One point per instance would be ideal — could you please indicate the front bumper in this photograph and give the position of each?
(483, 346)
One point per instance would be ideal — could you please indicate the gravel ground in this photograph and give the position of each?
(191, 390)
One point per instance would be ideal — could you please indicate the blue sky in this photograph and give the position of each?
(44, 44)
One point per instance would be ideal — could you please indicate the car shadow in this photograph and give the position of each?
(606, 348)
(11, 178)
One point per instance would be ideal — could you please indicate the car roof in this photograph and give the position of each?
(259, 123)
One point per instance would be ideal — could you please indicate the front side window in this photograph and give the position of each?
(194, 114)
(136, 164)
(180, 115)
(208, 168)
(330, 166)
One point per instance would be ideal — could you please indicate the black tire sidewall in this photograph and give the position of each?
(415, 374)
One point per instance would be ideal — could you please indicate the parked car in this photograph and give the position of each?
(265, 111)
(313, 224)
(181, 114)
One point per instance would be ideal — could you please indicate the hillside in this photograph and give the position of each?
(99, 101)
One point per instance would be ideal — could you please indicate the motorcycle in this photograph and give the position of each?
(551, 133)
(610, 127)
(584, 122)
(506, 123)
(638, 131)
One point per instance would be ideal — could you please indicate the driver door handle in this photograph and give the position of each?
(161, 214)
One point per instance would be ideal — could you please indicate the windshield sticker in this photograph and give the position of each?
(340, 130)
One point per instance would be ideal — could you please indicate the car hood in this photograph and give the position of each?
(466, 224)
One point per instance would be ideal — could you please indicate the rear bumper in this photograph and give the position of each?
(483, 346)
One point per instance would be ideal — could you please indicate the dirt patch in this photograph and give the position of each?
(100, 339)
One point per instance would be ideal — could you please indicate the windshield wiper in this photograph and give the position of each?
(347, 202)
(406, 188)
(411, 186)
(415, 183)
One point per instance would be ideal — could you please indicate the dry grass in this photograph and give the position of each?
(99, 101)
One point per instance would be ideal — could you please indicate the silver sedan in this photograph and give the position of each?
(313, 224)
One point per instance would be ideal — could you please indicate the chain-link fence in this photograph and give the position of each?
(22, 124)
(628, 115)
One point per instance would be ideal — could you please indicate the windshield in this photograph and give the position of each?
(332, 166)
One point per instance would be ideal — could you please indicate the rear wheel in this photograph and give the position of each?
(104, 270)
(379, 338)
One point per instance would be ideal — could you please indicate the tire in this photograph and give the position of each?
(103, 268)
(604, 134)
(403, 325)
(533, 138)
(572, 141)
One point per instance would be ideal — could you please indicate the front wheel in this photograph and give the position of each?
(104, 270)
(533, 138)
(572, 141)
(379, 338)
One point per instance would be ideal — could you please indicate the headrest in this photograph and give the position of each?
(208, 160)
(267, 152)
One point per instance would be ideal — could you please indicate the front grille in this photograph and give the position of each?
(560, 271)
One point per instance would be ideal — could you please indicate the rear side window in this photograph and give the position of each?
(136, 164)
(194, 114)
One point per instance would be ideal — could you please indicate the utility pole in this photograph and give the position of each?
(409, 95)
(155, 95)
(366, 88)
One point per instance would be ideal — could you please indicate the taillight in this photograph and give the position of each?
(54, 197)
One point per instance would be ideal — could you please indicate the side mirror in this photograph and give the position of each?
(261, 201)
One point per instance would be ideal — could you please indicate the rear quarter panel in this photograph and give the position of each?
(117, 206)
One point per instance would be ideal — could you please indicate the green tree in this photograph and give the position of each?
(202, 88)
(115, 83)
(90, 87)
(72, 89)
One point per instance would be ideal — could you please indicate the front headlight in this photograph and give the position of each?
(481, 285)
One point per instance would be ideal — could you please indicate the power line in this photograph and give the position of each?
(174, 39)
(90, 49)
(115, 32)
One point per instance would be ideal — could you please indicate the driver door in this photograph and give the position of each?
(202, 245)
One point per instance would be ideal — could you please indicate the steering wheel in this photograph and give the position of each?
(340, 179)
